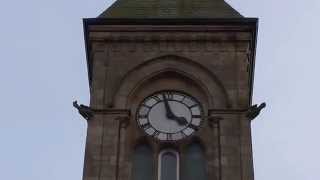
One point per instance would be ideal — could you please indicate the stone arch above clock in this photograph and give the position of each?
(171, 72)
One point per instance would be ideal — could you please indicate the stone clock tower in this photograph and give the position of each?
(170, 91)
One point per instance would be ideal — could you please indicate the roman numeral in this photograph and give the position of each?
(146, 126)
(196, 116)
(183, 134)
(193, 106)
(156, 98)
(146, 106)
(156, 133)
(143, 116)
(193, 127)
(184, 97)
(169, 95)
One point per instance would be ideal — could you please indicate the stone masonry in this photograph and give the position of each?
(127, 61)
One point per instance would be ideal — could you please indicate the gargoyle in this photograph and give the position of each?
(85, 111)
(254, 110)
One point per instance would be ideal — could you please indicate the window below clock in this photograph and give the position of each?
(168, 167)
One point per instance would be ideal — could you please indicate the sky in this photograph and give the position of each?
(43, 69)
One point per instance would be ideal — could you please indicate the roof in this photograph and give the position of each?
(175, 9)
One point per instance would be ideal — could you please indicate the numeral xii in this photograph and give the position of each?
(169, 95)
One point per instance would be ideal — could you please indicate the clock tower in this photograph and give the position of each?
(170, 91)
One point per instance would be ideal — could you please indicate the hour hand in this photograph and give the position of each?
(181, 120)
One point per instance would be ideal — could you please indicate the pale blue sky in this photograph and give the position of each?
(43, 69)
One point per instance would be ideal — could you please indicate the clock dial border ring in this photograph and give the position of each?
(190, 126)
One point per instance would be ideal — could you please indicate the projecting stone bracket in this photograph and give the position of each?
(251, 113)
(87, 113)
(255, 110)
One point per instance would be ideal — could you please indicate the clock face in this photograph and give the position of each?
(169, 115)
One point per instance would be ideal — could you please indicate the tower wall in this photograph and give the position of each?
(213, 62)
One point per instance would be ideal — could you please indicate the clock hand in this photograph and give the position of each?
(181, 120)
(171, 115)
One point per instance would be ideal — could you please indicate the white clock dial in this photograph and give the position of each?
(169, 115)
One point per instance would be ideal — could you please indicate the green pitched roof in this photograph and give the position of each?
(170, 9)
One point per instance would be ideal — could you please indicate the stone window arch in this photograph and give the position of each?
(168, 165)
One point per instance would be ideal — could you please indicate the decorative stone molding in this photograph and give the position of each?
(189, 69)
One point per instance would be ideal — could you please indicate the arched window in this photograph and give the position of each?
(194, 164)
(168, 165)
(142, 166)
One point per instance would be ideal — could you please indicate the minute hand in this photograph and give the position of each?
(170, 114)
